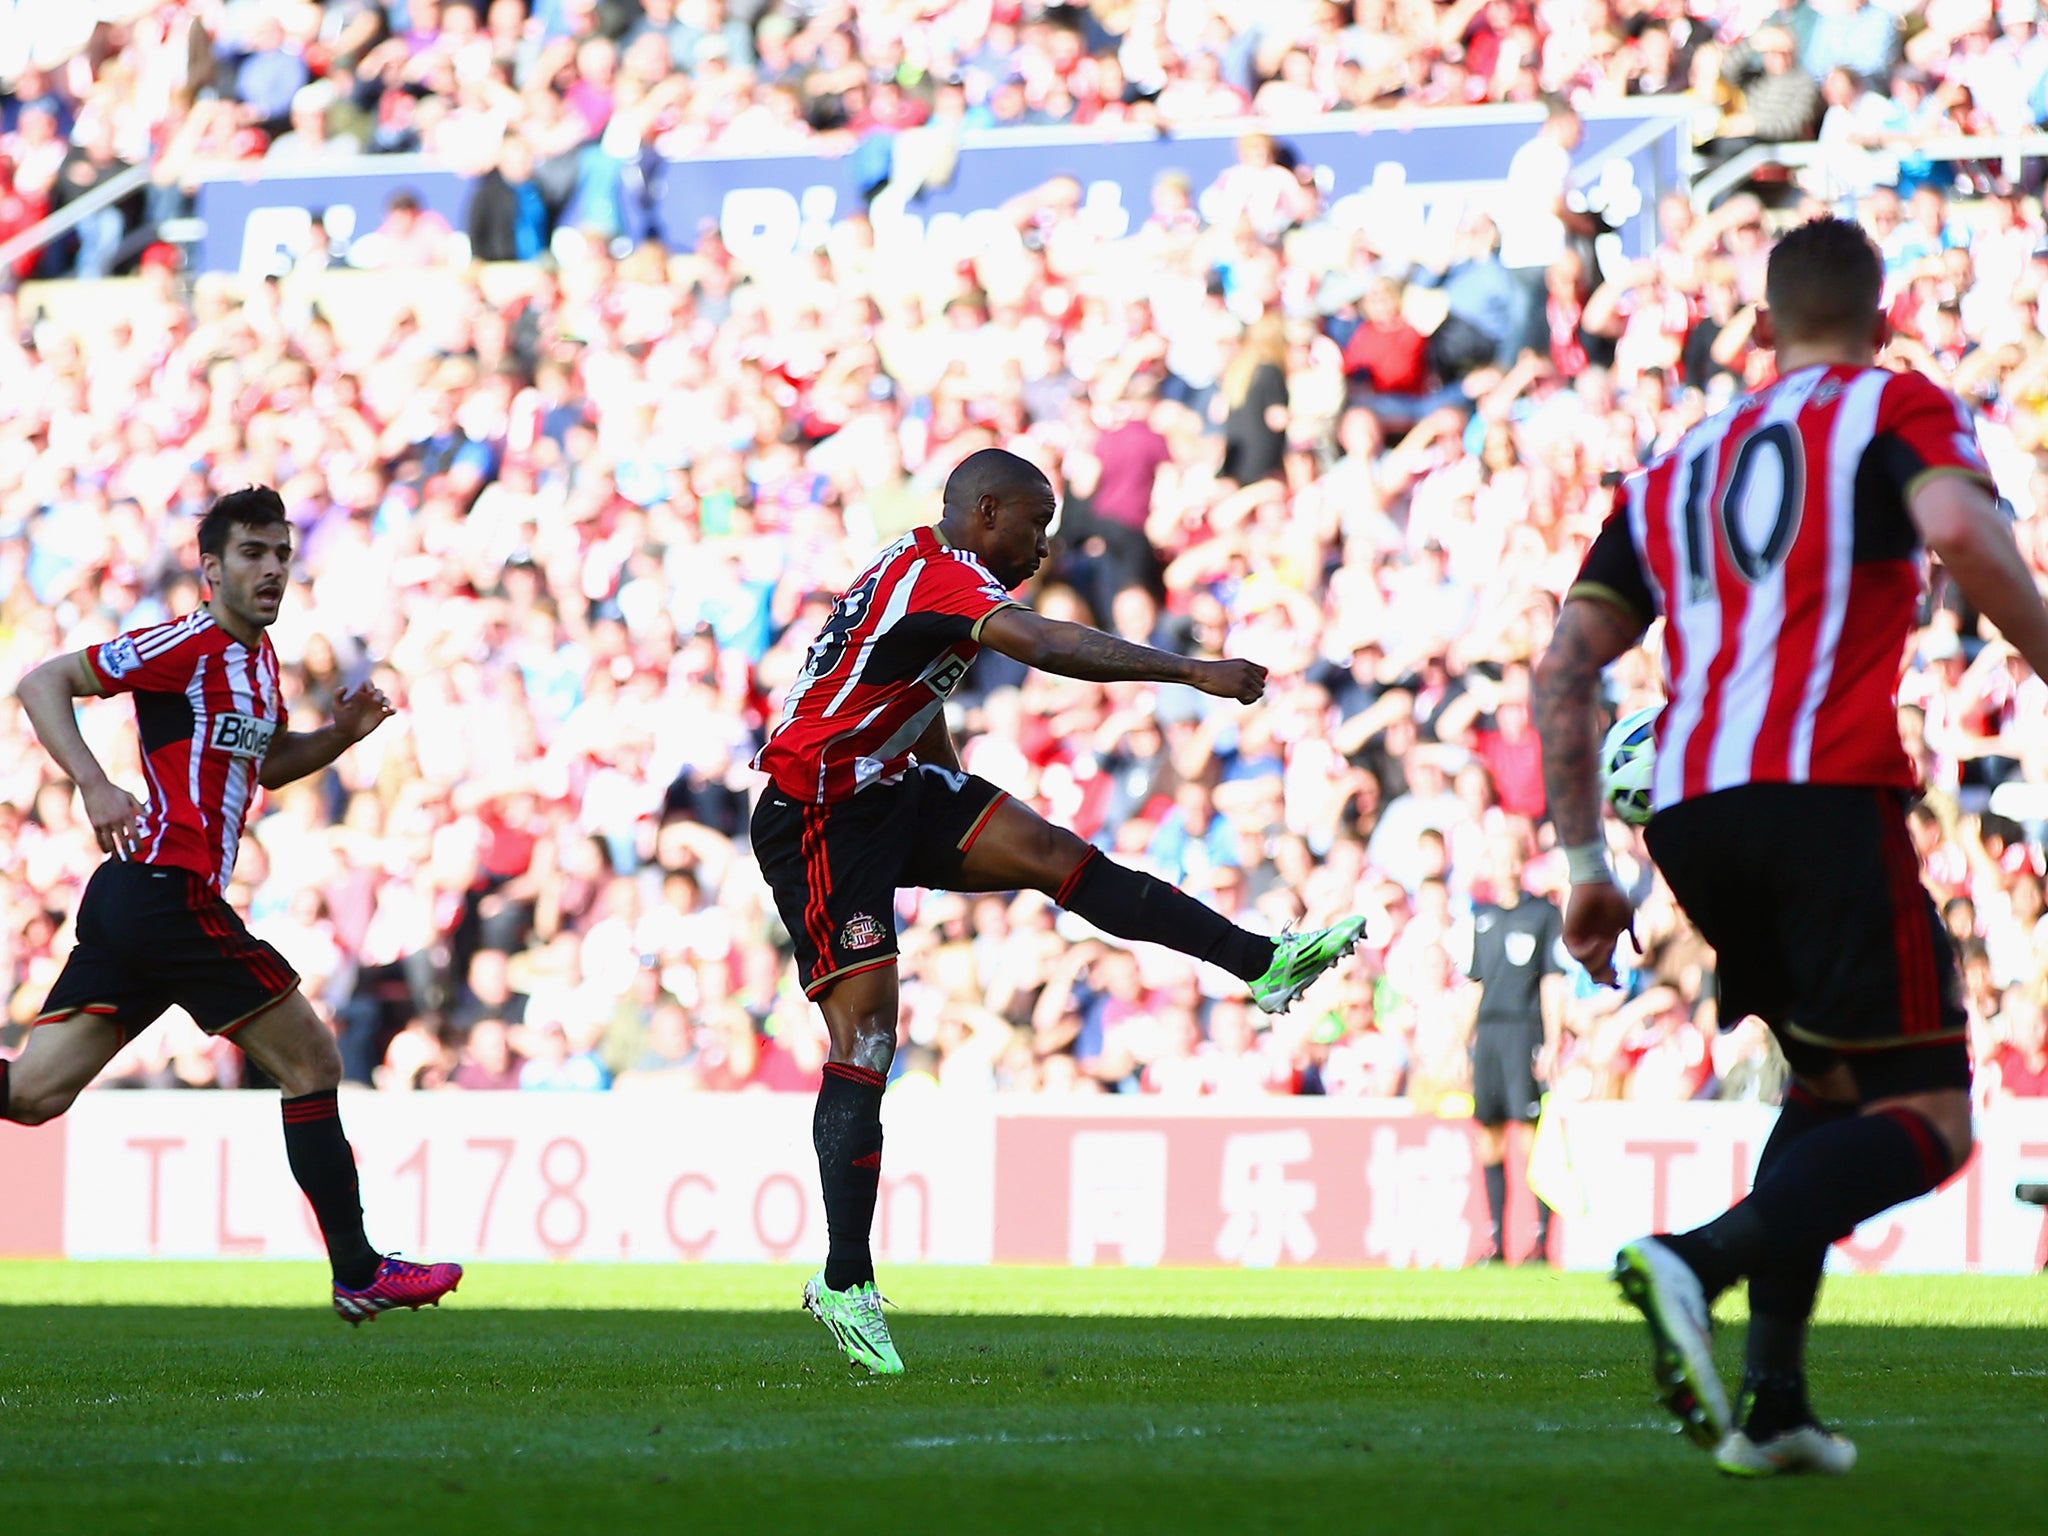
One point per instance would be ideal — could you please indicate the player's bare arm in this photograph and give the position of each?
(294, 754)
(1962, 525)
(936, 746)
(49, 694)
(1075, 650)
(1590, 635)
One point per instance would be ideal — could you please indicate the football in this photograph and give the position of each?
(1628, 763)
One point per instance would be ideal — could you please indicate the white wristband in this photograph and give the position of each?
(1587, 864)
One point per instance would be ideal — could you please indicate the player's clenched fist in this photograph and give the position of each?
(359, 711)
(1595, 918)
(1244, 681)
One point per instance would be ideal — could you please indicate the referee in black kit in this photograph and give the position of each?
(1518, 961)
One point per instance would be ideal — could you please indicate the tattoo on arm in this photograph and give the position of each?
(1589, 635)
(1079, 651)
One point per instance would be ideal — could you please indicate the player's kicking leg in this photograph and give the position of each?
(834, 873)
(288, 1041)
(1017, 849)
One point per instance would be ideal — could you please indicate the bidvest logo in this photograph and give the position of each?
(945, 675)
(243, 735)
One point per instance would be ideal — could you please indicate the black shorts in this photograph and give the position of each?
(835, 869)
(1504, 1085)
(151, 937)
(1811, 897)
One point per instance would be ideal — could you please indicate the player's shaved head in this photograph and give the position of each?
(999, 507)
(1825, 283)
(992, 472)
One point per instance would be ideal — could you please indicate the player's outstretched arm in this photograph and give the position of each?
(48, 694)
(294, 754)
(1075, 650)
(1960, 522)
(1589, 635)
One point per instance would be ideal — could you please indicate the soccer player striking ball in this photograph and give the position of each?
(153, 929)
(1781, 542)
(867, 795)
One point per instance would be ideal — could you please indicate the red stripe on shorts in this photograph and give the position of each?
(1912, 946)
(818, 877)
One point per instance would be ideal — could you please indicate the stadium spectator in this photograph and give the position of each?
(583, 506)
(270, 73)
(487, 1060)
(596, 91)
(2020, 1067)
(308, 141)
(509, 218)
(1781, 102)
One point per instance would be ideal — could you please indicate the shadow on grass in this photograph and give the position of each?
(510, 1421)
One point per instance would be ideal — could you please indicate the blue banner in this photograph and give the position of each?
(1629, 158)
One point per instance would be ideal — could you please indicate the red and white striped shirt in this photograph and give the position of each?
(206, 708)
(897, 644)
(1776, 543)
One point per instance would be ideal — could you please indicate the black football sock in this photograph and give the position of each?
(1783, 1288)
(1542, 1248)
(846, 1132)
(1137, 906)
(1801, 1114)
(1497, 1204)
(1781, 1297)
(326, 1170)
(1829, 1180)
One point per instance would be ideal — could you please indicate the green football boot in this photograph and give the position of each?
(1299, 958)
(854, 1316)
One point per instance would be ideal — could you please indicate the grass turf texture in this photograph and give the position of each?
(226, 1399)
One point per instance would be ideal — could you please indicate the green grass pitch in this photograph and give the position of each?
(226, 1398)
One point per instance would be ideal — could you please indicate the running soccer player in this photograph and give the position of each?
(867, 795)
(1782, 544)
(153, 929)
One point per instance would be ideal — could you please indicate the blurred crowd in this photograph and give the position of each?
(565, 110)
(580, 519)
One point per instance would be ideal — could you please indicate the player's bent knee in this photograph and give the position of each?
(26, 1106)
(319, 1069)
(873, 1045)
(1055, 854)
(1063, 848)
(292, 1044)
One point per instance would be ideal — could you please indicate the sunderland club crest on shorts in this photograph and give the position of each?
(861, 932)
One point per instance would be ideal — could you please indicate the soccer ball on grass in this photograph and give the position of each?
(1628, 763)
